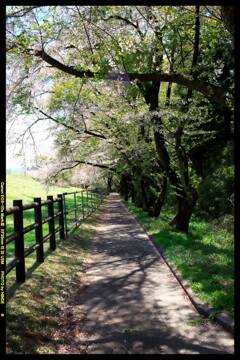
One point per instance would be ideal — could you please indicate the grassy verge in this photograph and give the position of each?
(34, 312)
(204, 256)
(20, 186)
(25, 188)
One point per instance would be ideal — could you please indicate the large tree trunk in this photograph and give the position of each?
(228, 17)
(186, 206)
(109, 183)
(141, 199)
(133, 194)
(125, 180)
(143, 186)
(158, 202)
(187, 195)
(185, 200)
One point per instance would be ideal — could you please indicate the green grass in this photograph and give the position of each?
(35, 322)
(204, 256)
(20, 186)
(24, 187)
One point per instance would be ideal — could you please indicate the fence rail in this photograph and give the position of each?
(80, 206)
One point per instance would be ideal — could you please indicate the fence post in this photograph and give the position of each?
(19, 242)
(75, 206)
(82, 205)
(61, 216)
(91, 202)
(39, 232)
(51, 223)
(87, 203)
(65, 213)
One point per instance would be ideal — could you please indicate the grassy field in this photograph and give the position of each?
(204, 256)
(20, 186)
(24, 187)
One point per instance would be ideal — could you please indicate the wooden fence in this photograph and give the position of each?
(79, 208)
(65, 224)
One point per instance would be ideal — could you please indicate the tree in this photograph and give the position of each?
(53, 29)
(143, 47)
(227, 13)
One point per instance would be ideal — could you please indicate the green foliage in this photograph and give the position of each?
(215, 193)
(109, 123)
(204, 256)
(23, 98)
(216, 190)
(102, 68)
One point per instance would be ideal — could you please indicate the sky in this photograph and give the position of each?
(43, 142)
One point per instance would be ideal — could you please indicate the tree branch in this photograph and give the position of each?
(101, 166)
(210, 91)
(21, 12)
(89, 132)
(127, 21)
(67, 69)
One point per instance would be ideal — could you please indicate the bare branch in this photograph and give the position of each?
(89, 132)
(86, 32)
(125, 20)
(78, 162)
(21, 13)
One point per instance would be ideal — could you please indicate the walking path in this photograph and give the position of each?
(133, 303)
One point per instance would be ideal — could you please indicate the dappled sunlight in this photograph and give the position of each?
(111, 295)
(133, 302)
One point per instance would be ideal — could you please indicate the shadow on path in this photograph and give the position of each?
(133, 303)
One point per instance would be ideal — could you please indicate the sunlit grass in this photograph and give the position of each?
(24, 187)
(34, 312)
(20, 186)
(204, 256)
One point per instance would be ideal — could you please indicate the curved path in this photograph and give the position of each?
(133, 303)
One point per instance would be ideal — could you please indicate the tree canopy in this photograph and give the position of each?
(142, 92)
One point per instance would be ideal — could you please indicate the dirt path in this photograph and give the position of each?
(131, 301)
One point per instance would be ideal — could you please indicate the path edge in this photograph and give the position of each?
(222, 318)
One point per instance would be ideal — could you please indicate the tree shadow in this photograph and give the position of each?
(124, 312)
(197, 261)
(31, 266)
